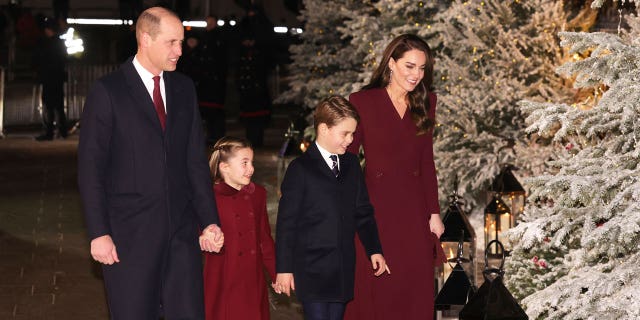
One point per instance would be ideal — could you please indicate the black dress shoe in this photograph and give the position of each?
(44, 137)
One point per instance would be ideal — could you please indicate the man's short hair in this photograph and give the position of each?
(149, 21)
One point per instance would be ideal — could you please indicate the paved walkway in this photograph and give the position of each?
(46, 271)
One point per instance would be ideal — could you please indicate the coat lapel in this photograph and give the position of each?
(173, 92)
(316, 157)
(139, 93)
(344, 166)
(405, 124)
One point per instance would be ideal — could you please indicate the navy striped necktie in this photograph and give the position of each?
(334, 165)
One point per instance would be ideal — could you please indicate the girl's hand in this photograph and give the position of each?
(435, 224)
(379, 264)
(284, 283)
(212, 239)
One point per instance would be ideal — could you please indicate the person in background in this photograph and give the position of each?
(324, 204)
(144, 180)
(234, 281)
(212, 84)
(255, 61)
(50, 62)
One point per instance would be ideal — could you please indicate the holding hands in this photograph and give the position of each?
(284, 283)
(212, 239)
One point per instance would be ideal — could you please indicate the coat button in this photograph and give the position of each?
(416, 173)
(253, 252)
(251, 213)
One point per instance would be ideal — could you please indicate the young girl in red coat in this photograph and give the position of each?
(234, 283)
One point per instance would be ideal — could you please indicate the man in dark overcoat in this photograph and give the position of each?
(144, 180)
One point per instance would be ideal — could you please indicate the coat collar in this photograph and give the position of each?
(144, 101)
(227, 190)
(315, 155)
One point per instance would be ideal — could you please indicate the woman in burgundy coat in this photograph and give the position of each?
(234, 283)
(397, 111)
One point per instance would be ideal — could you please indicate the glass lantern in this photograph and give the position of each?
(497, 220)
(507, 187)
(503, 210)
(457, 227)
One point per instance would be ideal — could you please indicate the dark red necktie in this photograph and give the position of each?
(157, 101)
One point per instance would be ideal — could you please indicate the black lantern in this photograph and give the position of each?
(493, 300)
(457, 290)
(457, 228)
(507, 187)
(506, 204)
(459, 244)
(497, 220)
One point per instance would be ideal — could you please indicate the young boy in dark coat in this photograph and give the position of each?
(324, 203)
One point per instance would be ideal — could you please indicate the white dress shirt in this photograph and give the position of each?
(326, 154)
(147, 79)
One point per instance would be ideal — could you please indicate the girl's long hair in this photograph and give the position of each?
(223, 150)
(417, 100)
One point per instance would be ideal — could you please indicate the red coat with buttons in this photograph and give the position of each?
(234, 282)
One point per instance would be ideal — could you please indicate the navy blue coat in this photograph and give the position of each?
(318, 217)
(149, 190)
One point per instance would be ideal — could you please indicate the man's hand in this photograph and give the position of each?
(103, 250)
(379, 264)
(212, 239)
(284, 283)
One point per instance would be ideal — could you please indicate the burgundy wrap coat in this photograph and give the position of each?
(401, 178)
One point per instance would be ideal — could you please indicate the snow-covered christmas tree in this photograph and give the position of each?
(325, 63)
(389, 18)
(576, 251)
(493, 54)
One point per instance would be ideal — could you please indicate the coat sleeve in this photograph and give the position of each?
(267, 246)
(429, 175)
(366, 225)
(199, 172)
(93, 159)
(289, 210)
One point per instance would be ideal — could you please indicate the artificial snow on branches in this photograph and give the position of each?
(584, 216)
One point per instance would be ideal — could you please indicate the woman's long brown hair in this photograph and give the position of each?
(417, 100)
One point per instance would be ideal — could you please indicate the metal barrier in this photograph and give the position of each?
(20, 102)
(21, 105)
(79, 81)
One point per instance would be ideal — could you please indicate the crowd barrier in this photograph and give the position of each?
(20, 102)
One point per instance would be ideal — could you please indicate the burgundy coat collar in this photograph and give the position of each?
(227, 190)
